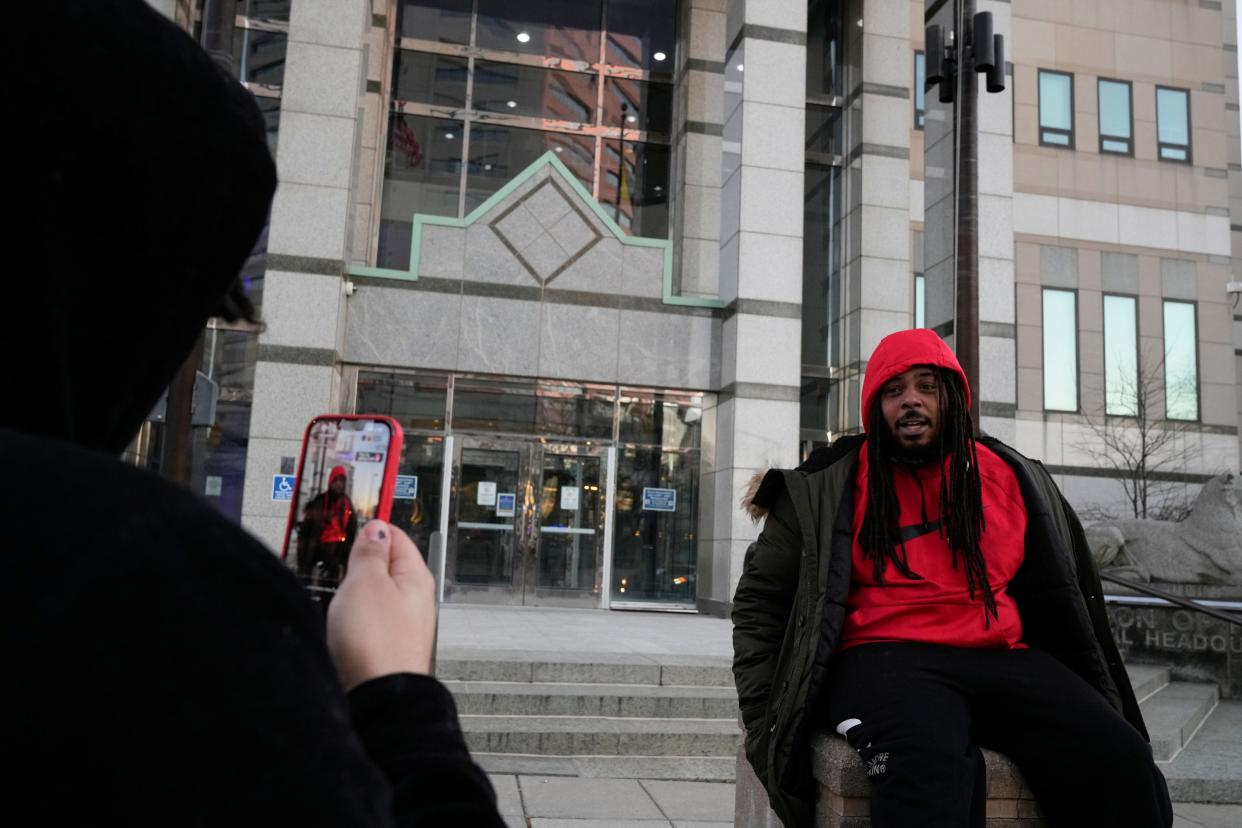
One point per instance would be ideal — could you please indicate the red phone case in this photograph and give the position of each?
(383, 509)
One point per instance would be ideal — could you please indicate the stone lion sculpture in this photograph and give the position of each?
(1205, 548)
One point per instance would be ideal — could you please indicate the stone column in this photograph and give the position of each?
(298, 371)
(761, 272)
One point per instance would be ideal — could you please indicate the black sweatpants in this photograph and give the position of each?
(925, 710)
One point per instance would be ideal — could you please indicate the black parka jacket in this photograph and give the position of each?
(791, 601)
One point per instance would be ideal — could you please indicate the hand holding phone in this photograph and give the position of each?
(383, 619)
(346, 476)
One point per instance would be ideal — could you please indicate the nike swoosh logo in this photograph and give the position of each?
(909, 533)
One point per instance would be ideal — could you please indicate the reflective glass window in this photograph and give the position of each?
(553, 28)
(819, 406)
(1173, 124)
(269, 10)
(920, 300)
(417, 509)
(823, 132)
(660, 418)
(422, 174)
(574, 411)
(509, 109)
(823, 49)
(1181, 361)
(416, 401)
(821, 264)
(259, 56)
(498, 153)
(531, 90)
(1121, 386)
(635, 104)
(493, 405)
(636, 191)
(640, 34)
(1115, 120)
(655, 518)
(270, 107)
(1060, 350)
(444, 21)
(920, 74)
(439, 80)
(1056, 108)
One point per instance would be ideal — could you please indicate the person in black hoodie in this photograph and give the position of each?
(162, 667)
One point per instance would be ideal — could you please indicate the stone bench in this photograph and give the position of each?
(844, 791)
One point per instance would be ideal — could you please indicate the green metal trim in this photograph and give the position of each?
(547, 159)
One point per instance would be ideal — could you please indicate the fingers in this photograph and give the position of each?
(372, 548)
(406, 561)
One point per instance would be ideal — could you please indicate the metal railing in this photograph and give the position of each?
(1177, 600)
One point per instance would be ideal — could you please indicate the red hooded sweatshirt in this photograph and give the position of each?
(337, 511)
(937, 608)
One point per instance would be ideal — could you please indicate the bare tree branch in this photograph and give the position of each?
(1137, 441)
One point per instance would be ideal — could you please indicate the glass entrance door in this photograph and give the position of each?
(526, 523)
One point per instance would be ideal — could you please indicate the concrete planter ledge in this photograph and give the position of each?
(844, 791)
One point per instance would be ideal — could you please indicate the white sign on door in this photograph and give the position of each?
(487, 493)
(569, 497)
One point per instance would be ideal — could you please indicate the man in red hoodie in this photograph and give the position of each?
(327, 531)
(963, 619)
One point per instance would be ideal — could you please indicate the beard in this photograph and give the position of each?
(913, 455)
(910, 455)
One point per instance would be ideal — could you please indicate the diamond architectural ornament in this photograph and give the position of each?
(546, 231)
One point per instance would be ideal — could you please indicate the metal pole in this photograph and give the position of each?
(966, 327)
(621, 162)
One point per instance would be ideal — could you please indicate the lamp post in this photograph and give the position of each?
(953, 58)
(625, 108)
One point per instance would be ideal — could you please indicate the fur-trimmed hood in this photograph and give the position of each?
(766, 486)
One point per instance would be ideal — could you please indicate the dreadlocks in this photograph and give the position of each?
(961, 493)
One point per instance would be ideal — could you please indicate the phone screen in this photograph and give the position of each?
(345, 478)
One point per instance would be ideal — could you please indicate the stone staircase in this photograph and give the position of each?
(578, 715)
(1195, 735)
(634, 717)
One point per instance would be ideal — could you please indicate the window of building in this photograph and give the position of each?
(920, 73)
(824, 185)
(1173, 124)
(920, 300)
(1116, 120)
(1060, 350)
(1181, 361)
(482, 89)
(1056, 109)
(1121, 380)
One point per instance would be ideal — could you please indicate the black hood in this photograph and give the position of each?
(143, 180)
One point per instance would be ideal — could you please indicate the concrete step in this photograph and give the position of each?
(1174, 713)
(587, 668)
(595, 736)
(1147, 679)
(680, 768)
(1209, 768)
(585, 699)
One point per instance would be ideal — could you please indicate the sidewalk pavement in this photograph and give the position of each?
(527, 632)
(571, 802)
(530, 633)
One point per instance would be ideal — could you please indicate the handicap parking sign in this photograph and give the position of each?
(282, 486)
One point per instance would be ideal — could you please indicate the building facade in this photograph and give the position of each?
(612, 258)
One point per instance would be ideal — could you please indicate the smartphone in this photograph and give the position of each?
(346, 476)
